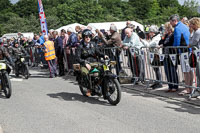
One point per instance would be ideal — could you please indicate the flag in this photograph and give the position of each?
(162, 57)
(151, 55)
(173, 58)
(185, 57)
(42, 18)
(197, 53)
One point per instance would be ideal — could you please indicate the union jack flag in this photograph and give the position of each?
(42, 18)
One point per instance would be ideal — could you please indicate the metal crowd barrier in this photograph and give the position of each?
(170, 66)
(148, 65)
(129, 64)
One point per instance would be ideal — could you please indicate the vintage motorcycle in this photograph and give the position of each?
(100, 81)
(5, 84)
(21, 66)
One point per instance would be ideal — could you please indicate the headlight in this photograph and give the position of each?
(22, 59)
(2, 66)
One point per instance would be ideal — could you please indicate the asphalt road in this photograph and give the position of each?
(44, 105)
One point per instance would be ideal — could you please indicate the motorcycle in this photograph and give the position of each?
(21, 66)
(100, 81)
(5, 84)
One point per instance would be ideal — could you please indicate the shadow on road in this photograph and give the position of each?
(77, 97)
(181, 105)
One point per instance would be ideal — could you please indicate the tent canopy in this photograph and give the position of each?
(120, 25)
(70, 25)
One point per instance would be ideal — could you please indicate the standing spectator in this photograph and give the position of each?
(170, 68)
(184, 20)
(50, 35)
(44, 63)
(123, 31)
(78, 29)
(78, 32)
(71, 45)
(64, 37)
(58, 44)
(137, 65)
(37, 47)
(147, 32)
(114, 41)
(195, 42)
(181, 36)
(49, 53)
(72, 41)
(153, 44)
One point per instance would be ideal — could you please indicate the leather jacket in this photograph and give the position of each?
(88, 53)
(4, 54)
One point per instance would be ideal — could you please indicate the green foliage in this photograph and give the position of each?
(23, 16)
(189, 9)
(5, 4)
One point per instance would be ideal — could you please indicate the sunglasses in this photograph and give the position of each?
(87, 36)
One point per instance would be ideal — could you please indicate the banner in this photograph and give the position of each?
(197, 53)
(173, 58)
(42, 18)
(142, 54)
(162, 57)
(185, 57)
(151, 55)
(132, 50)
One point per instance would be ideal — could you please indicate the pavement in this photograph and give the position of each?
(1, 130)
(161, 92)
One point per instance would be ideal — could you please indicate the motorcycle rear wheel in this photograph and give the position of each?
(82, 88)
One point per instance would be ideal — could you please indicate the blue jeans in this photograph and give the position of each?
(171, 73)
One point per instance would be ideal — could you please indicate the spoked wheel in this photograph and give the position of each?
(6, 85)
(82, 88)
(26, 72)
(113, 91)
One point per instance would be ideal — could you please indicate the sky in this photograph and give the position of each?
(180, 1)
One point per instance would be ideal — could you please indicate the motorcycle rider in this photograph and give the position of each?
(16, 50)
(4, 54)
(87, 52)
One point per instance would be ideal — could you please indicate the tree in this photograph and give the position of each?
(5, 4)
(189, 9)
(142, 8)
(154, 11)
(24, 8)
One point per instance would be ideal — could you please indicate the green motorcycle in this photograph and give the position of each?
(99, 81)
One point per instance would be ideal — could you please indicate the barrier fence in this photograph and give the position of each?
(148, 65)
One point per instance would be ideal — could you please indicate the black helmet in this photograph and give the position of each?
(15, 42)
(86, 32)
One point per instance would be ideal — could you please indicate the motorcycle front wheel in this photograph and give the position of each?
(113, 91)
(6, 85)
(26, 72)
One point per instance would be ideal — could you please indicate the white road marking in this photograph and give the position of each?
(14, 79)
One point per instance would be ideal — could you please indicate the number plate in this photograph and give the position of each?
(105, 68)
(2, 66)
